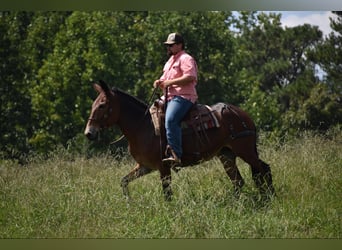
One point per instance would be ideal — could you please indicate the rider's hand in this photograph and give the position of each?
(157, 83)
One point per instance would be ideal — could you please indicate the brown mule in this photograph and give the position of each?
(235, 137)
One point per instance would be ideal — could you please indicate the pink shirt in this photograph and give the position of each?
(179, 65)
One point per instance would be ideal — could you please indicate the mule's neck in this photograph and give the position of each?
(134, 119)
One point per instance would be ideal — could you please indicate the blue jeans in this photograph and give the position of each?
(175, 112)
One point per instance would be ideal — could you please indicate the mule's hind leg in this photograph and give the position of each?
(261, 172)
(136, 172)
(228, 159)
(263, 180)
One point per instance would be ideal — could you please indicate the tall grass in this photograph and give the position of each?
(70, 196)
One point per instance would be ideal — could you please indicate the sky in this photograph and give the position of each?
(319, 18)
(295, 18)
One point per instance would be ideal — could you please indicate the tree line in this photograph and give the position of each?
(49, 60)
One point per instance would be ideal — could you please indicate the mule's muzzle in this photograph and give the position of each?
(91, 133)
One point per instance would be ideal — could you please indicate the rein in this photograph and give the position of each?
(149, 103)
(117, 140)
(145, 113)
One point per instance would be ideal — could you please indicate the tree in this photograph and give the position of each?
(329, 53)
(274, 59)
(85, 50)
(15, 105)
(320, 111)
(323, 108)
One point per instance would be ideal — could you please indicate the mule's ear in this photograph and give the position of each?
(97, 88)
(104, 87)
(101, 87)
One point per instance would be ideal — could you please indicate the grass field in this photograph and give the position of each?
(70, 196)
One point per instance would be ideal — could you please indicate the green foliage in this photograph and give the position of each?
(15, 105)
(263, 109)
(318, 112)
(50, 60)
(276, 57)
(328, 54)
(285, 95)
(82, 52)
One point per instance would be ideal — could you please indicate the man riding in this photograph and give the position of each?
(178, 83)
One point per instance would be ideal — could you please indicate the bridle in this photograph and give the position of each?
(104, 117)
(110, 110)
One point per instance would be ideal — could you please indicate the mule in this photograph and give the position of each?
(234, 137)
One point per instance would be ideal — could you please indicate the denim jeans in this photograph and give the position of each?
(175, 112)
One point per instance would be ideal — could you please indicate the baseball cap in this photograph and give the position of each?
(174, 38)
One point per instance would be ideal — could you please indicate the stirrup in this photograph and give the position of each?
(171, 160)
(171, 155)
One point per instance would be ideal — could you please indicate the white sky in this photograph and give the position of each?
(295, 18)
(318, 18)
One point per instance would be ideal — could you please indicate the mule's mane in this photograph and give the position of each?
(130, 97)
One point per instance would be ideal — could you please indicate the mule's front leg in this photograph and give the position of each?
(165, 176)
(124, 185)
(136, 172)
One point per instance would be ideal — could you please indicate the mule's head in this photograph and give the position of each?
(103, 113)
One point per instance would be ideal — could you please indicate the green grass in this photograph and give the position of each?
(69, 196)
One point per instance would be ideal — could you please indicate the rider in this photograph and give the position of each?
(178, 84)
